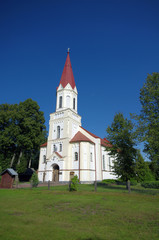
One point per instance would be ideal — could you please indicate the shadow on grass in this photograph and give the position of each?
(111, 186)
(133, 189)
(145, 191)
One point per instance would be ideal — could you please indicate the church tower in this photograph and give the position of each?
(67, 91)
(70, 149)
(64, 123)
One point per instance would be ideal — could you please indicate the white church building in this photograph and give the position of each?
(70, 149)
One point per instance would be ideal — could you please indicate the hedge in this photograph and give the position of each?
(154, 184)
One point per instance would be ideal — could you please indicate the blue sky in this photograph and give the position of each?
(114, 44)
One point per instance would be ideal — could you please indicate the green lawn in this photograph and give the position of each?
(110, 213)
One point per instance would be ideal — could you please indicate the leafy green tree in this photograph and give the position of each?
(32, 129)
(22, 166)
(142, 170)
(8, 132)
(121, 137)
(148, 120)
(22, 130)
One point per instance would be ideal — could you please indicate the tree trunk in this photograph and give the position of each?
(128, 186)
(29, 163)
(12, 161)
(20, 155)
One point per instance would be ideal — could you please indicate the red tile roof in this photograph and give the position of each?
(93, 135)
(104, 141)
(43, 145)
(67, 75)
(79, 137)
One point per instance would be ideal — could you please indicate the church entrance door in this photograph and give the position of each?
(55, 173)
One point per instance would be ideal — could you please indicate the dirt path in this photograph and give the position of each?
(27, 185)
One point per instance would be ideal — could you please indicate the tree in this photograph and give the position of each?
(8, 132)
(32, 129)
(148, 120)
(121, 137)
(22, 131)
(142, 170)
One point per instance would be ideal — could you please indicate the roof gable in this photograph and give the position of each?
(80, 137)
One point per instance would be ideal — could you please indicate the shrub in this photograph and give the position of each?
(74, 182)
(109, 181)
(119, 181)
(34, 180)
(154, 184)
(133, 182)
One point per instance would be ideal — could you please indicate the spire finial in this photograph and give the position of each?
(68, 50)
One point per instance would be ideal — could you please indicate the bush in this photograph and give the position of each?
(119, 181)
(154, 184)
(109, 181)
(74, 182)
(34, 180)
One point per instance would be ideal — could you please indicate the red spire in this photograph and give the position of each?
(67, 75)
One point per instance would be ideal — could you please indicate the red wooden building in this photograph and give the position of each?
(8, 177)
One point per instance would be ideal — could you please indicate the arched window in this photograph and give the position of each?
(103, 162)
(91, 157)
(74, 103)
(76, 156)
(60, 102)
(60, 147)
(58, 131)
(44, 158)
(109, 164)
(67, 101)
(55, 148)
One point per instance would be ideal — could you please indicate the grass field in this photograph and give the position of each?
(110, 213)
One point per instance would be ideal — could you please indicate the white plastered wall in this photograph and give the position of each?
(41, 168)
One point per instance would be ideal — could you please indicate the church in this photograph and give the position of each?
(71, 149)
